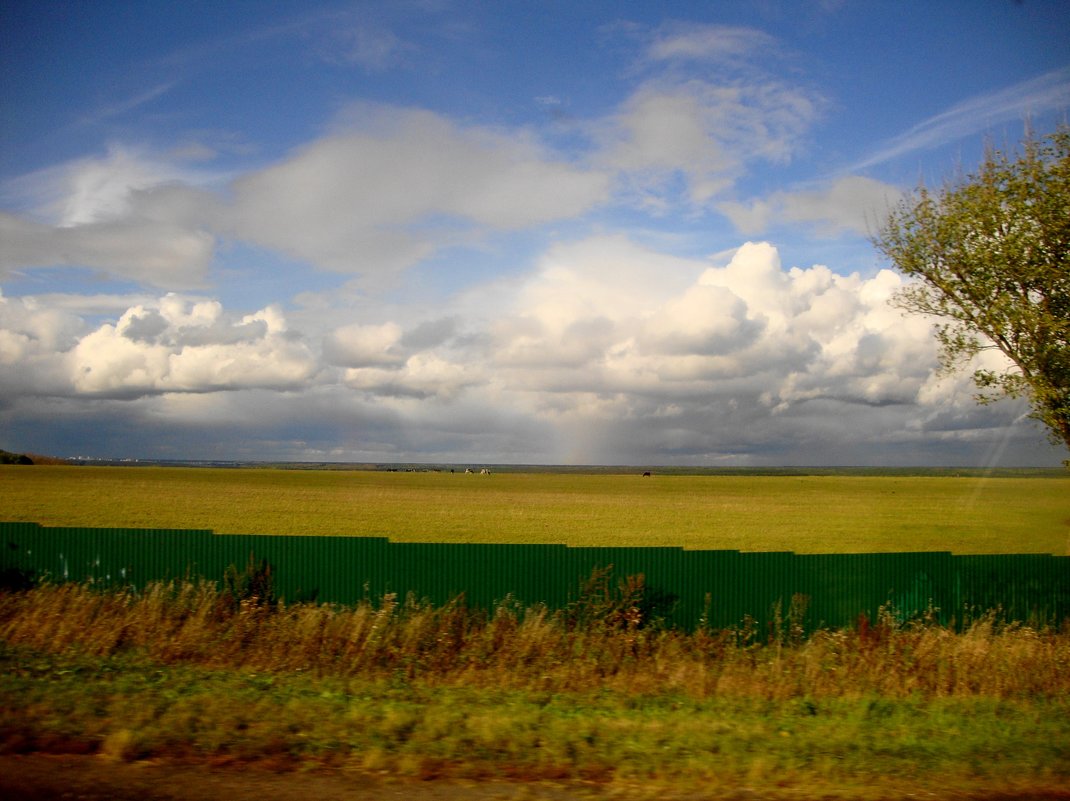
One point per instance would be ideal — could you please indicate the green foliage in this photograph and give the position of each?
(14, 458)
(992, 255)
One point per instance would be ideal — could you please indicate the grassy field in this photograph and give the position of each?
(806, 514)
(623, 710)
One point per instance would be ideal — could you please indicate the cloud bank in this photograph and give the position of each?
(606, 351)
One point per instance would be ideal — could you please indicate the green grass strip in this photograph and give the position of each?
(128, 707)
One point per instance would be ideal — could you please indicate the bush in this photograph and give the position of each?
(255, 586)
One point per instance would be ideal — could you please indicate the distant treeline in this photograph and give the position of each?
(6, 457)
(458, 467)
(608, 470)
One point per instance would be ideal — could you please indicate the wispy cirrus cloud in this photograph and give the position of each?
(374, 47)
(121, 107)
(683, 137)
(707, 43)
(1045, 93)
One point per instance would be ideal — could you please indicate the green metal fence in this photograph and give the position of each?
(722, 587)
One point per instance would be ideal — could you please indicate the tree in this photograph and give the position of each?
(991, 253)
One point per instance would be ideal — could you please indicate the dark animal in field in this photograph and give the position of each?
(646, 474)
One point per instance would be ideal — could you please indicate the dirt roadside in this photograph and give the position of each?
(43, 777)
(46, 777)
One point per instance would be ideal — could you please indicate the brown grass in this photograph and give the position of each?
(600, 647)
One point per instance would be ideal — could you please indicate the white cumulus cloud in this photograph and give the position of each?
(606, 351)
(853, 204)
(386, 194)
(126, 213)
(187, 346)
(154, 253)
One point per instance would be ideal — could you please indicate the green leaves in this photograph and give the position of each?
(991, 253)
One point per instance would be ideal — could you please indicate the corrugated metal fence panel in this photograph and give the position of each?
(1023, 586)
(720, 588)
(841, 587)
(757, 597)
(714, 589)
(104, 556)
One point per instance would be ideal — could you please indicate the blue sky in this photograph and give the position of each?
(538, 232)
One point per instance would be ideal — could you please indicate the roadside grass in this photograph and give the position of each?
(187, 671)
(129, 708)
(805, 514)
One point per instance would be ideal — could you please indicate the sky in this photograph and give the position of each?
(496, 232)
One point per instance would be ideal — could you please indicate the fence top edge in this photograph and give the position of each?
(579, 549)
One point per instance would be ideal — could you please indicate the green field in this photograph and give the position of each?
(600, 704)
(829, 513)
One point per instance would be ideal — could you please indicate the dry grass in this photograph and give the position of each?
(533, 649)
(585, 694)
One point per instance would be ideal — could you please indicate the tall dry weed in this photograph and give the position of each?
(538, 649)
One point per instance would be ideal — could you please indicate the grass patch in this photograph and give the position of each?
(805, 514)
(181, 670)
(606, 647)
(129, 708)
